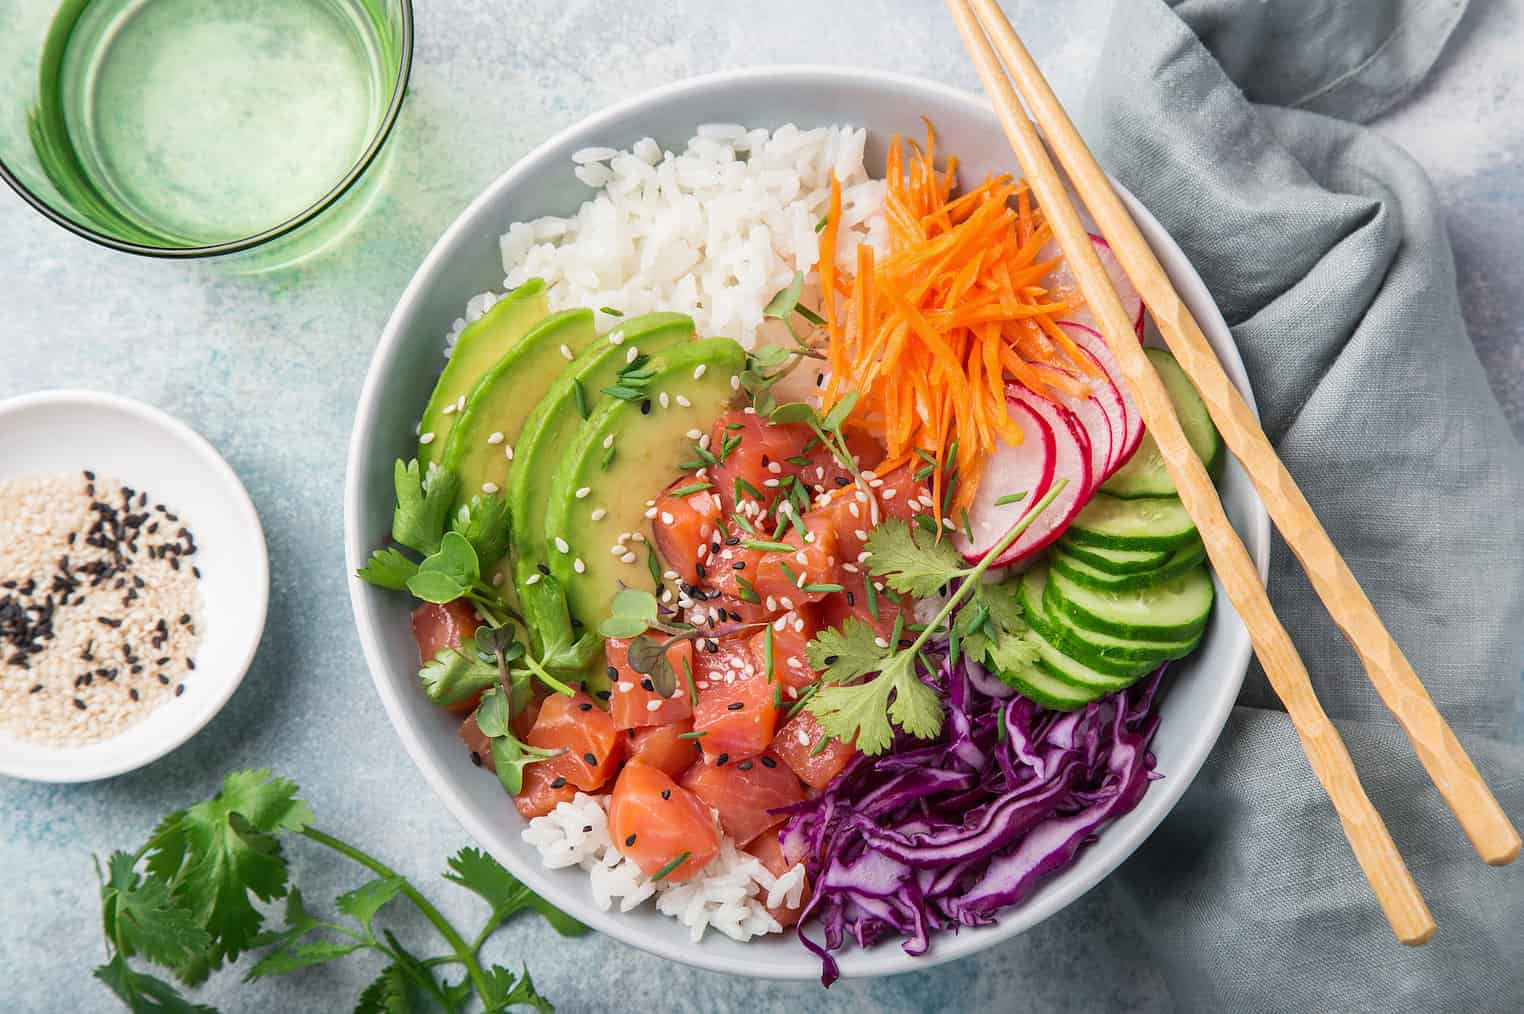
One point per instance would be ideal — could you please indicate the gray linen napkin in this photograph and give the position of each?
(1233, 121)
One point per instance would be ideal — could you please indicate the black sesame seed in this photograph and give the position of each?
(698, 568)
(184, 619)
(765, 460)
(179, 689)
(646, 684)
(605, 694)
(629, 841)
(842, 480)
(733, 541)
(585, 706)
(558, 782)
(744, 765)
(768, 762)
(735, 705)
(476, 758)
(721, 760)
(590, 758)
(79, 704)
(163, 679)
(613, 673)
(133, 693)
(35, 688)
(190, 664)
(89, 475)
(543, 569)
(645, 407)
(738, 565)
(666, 793)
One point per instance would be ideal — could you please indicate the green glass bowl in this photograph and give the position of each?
(130, 128)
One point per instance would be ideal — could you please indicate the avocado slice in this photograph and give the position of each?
(481, 345)
(481, 445)
(650, 442)
(548, 435)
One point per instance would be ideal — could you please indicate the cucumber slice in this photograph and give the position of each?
(1080, 572)
(1100, 652)
(1144, 474)
(1037, 684)
(1175, 610)
(1073, 671)
(1154, 523)
(1114, 561)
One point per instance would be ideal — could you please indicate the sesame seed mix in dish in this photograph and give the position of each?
(100, 607)
(786, 545)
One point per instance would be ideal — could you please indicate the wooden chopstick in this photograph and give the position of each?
(1368, 836)
(1493, 836)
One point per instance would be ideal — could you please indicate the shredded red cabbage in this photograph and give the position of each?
(932, 836)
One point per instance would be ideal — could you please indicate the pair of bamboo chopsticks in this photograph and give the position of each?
(1492, 834)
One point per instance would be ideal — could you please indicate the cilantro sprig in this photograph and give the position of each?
(849, 707)
(186, 902)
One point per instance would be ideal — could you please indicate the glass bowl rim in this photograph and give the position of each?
(378, 139)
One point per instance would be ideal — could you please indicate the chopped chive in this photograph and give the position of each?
(798, 461)
(947, 494)
(809, 315)
(899, 628)
(700, 486)
(926, 524)
(820, 746)
(793, 519)
(767, 650)
(705, 456)
(743, 524)
(742, 486)
(1010, 498)
(692, 735)
(872, 594)
(952, 456)
(734, 426)
(823, 589)
(804, 698)
(728, 445)
(788, 572)
(608, 458)
(691, 466)
(924, 471)
(747, 592)
(611, 311)
(692, 689)
(623, 393)
(654, 566)
(1000, 727)
(581, 393)
(825, 220)
(777, 696)
(925, 455)
(682, 857)
(810, 444)
(769, 547)
(968, 529)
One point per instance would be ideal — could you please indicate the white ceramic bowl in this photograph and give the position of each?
(69, 431)
(466, 261)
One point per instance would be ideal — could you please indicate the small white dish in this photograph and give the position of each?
(57, 432)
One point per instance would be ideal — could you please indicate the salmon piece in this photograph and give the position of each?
(683, 524)
(594, 747)
(763, 453)
(900, 495)
(855, 602)
(545, 788)
(785, 578)
(769, 851)
(742, 793)
(630, 705)
(736, 712)
(825, 471)
(795, 745)
(437, 627)
(791, 633)
(523, 720)
(654, 821)
(477, 743)
(664, 748)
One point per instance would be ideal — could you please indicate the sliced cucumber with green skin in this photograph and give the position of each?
(1112, 523)
(1075, 672)
(1038, 685)
(1114, 561)
(1172, 611)
(1080, 572)
(1134, 658)
(1145, 474)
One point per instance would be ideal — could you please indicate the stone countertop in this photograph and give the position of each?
(269, 367)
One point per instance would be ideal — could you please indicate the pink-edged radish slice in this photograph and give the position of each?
(1026, 467)
(1061, 279)
(1094, 414)
(1091, 341)
(1071, 462)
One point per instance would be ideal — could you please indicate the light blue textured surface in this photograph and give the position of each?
(268, 368)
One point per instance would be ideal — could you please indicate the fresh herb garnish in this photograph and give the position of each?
(868, 711)
(184, 901)
(697, 487)
(581, 394)
(768, 547)
(611, 311)
(1010, 498)
(677, 861)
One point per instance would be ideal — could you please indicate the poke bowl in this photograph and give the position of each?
(1074, 510)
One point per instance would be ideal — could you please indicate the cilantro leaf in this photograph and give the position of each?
(786, 300)
(505, 990)
(365, 901)
(918, 566)
(140, 915)
(220, 851)
(1003, 606)
(422, 504)
(485, 525)
(389, 993)
(145, 994)
(448, 573)
(859, 711)
(916, 707)
(453, 677)
(484, 876)
(845, 653)
(510, 757)
(388, 568)
(296, 956)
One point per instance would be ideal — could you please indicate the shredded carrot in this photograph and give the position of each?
(930, 332)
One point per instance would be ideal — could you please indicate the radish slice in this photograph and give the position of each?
(1072, 462)
(1062, 279)
(1091, 341)
(1094, 415)
(1024, 468)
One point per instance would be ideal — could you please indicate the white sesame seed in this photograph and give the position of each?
(775, 468)
(802, 737)
(798, 627)
(666, 517)
(448, 410)
(624, 687)
(809, 536)
(863, 556)
(670, 575)
(875, 483)
(489, 487)
(616, 336)
(948, 524)
(787, 602)
(694, 434)
(495, 438)
(566, 353)
(799, 581)
(861, 535)
(850, 568)
(616, 550)
(637, 537)
(582, 493)
(653, 704)
(852, 509)
(772, 483)
(533, 578)
(608, 441)
(701, 684)
(650, 512)
(497, 580)
(779, 622)
(666, 595)
(508, 451)
(889, 494)
(801, 557)
(632, 354)
(578, 565)
(881, 642)
(599, 513)
(683, 402)
(793, 662)
(703, 550)
(698, 371)
(735, 384)
(426, 439)
(771, 603)
(562, 546)
(627, 558)
(662, 399)
(460, 403)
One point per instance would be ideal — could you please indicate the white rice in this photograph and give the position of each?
(732, 894)
(714, 232)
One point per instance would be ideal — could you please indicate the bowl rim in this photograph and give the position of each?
(212, 463)
(378, 138)
(1111, 849)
